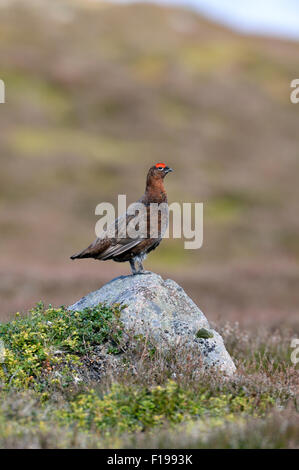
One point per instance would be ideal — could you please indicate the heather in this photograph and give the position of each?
(55, 394)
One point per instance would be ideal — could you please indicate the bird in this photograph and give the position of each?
(122, 248)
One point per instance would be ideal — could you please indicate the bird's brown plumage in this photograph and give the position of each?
(133, 249)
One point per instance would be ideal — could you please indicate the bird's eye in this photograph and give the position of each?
(160, 167)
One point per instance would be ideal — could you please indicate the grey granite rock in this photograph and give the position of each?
(162, 309)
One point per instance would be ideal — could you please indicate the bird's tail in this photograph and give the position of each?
(80, 255)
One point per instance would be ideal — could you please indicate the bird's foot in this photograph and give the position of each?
(144, 272)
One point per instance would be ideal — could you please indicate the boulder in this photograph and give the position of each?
(162, 310)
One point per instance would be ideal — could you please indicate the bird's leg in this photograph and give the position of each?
(140, 268)
(132, 264)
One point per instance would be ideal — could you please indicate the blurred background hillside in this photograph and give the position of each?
(95, 94)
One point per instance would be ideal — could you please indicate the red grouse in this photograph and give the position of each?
(122, 246)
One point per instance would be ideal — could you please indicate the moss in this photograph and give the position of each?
(52, 340)
(203, 333)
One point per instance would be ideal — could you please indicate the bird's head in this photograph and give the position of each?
(159, 171)
(155, 179)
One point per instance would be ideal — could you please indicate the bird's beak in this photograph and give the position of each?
(167, 170)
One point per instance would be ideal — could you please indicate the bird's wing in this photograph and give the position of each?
(119, 248)
(122, 241)
(115, 240)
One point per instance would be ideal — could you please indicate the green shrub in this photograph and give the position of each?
(127, 408)
(53, 337)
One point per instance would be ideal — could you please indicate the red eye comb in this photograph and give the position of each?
(160, 164)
